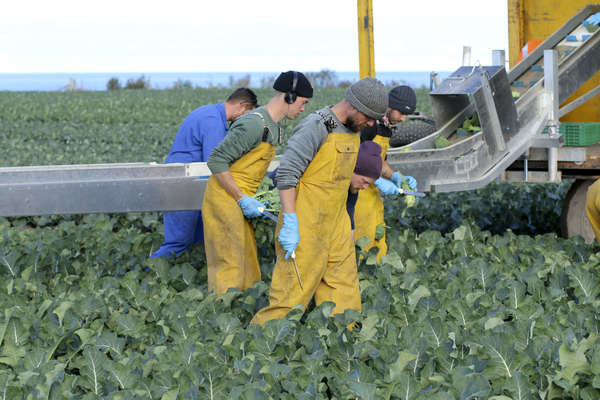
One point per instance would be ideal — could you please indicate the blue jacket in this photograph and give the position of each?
(200, 132)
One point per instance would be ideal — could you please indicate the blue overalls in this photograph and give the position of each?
(201, 131)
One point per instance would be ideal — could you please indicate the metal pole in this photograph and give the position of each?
(434, 80)
(551, 91)
(466, 55)
(498, 58)
(366, 51)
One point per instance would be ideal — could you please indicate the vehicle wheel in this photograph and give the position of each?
(574, 219)
(410, 131)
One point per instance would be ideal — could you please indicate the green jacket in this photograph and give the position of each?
(244, 135)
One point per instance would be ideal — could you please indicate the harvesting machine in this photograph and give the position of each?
(547, 134)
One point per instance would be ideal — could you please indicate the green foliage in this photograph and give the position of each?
(139, 83)
(472, 124)
(244, 81)
(182, 84)
(423, 104)
(441, 142)
(268, 194)
(524, 208)
(323, 79)
(454, 311)
(113, 84)
(462, 315)
(45, 128)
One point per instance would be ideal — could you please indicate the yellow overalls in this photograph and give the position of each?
(592, 207)
(368, 212)
(231, 255)
(325, 255)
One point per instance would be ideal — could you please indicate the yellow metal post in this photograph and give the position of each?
(366, 53)
(516, 22)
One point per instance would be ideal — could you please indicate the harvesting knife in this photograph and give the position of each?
(267, 214)
(418, 194)
(296, 267)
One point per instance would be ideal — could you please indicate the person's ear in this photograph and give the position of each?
(246, 107)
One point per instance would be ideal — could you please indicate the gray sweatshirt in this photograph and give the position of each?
(306, 140)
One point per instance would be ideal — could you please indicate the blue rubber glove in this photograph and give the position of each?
(397, 178)
(289, 235)
(250, 207)
(386, 186)
(593, 19)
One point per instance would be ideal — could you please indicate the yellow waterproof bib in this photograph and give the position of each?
(592, 207)
(325, 255)
(368, 212)
(229, 240)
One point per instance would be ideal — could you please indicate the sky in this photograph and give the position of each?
(244, 36)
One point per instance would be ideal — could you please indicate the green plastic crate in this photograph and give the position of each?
(579, 133)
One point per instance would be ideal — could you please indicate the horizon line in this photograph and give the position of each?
(199, 72)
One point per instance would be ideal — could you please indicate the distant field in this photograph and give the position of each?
(43, 128)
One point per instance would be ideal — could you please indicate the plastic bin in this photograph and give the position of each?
(579, 133)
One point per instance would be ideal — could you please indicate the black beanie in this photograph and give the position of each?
(403, 99)
(285, 80)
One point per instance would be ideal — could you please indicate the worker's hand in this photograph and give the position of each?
(289, 235)
(593, 20)
(386, 121)
(398, 178)
(386, 186)
(250, 207)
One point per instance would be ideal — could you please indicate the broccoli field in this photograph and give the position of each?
(478, 298)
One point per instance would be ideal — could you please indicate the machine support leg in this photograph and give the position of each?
(553, 164)
(552, 103)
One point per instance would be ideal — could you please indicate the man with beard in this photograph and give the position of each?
(314, 175)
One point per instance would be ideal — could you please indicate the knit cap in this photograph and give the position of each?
(368, 162)
(369, 97)
(403, 99)
(285, 82)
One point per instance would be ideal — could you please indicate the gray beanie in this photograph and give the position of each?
(369, 97)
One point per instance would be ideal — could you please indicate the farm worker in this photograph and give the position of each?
(238, 165)
(314, 175)
(402, 101)
(592, 207)
(200, 132)
(367, 170)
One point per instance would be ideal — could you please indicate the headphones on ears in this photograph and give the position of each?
(290, 96)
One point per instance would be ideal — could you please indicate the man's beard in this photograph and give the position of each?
(352, 125)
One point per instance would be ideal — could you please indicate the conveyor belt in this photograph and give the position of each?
(544, 79)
